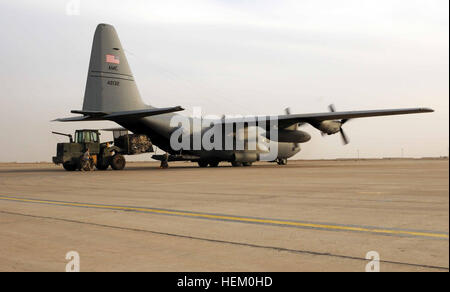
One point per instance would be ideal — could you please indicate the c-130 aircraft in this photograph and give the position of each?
(111, 94)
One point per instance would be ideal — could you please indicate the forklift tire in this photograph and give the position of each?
(69, 166)
(102, 166)
(118, 162)
(103, 163)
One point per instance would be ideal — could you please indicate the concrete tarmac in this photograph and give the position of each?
(306, 216)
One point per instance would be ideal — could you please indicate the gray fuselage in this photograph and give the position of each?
(159, 130)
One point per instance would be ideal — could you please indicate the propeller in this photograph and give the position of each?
(288, 112)
(345, 139)
(293, 127)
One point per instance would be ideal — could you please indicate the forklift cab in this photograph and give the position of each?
(90, 139)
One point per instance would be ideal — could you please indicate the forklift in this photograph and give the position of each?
(101, 155)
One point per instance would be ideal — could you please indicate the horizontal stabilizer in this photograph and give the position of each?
(134, 114)
(88, 113)
(143, 113)
(77, 119)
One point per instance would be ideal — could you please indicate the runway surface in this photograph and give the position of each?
(306, 216)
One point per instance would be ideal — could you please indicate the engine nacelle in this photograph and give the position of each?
(329, 127)
(290, 136)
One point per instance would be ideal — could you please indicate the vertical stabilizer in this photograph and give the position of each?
(110, 84)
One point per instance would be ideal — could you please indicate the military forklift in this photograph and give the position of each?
(72, 155)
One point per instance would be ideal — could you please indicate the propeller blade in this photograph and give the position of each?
(332, 108)
(295, 126)
(344, 137)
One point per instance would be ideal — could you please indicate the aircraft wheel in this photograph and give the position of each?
(69, 166)
(164, 164)
(202, 163)
(247, 163)
(118, 162)
(236, 164)
(282, 161)
(213, 163)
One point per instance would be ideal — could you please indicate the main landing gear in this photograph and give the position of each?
(238, 164)
(282, 161)
(203, 163)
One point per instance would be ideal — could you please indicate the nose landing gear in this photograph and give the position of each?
(164, 161)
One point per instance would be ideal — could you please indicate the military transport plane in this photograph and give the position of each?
(111, 94)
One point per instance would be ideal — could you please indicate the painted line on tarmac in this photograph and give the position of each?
(244, 244)
(240, 219)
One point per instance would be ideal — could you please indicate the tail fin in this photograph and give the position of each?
(110, 84)
(111, 93)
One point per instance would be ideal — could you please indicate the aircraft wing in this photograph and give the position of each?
(99, 116)
(285, 121)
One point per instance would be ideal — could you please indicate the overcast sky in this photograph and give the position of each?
(236, 57)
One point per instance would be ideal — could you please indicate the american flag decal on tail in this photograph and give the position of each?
(112, 59)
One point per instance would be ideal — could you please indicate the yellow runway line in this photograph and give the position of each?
(236, 218)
